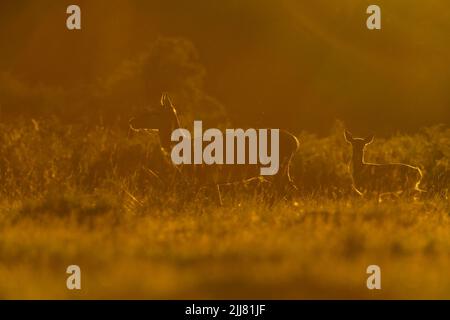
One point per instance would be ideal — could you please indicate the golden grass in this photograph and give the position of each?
(65, 199)
(318, 249)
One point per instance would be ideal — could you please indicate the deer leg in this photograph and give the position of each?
(290, 190)
(379, 197)
(417, 194)
(279, 188)
(283, 186)
(412, 193)
(392, 196)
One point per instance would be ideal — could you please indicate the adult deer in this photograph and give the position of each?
(380, 179)
(164, 120)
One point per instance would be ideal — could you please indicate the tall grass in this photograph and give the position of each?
(77, 194)
(37, 157)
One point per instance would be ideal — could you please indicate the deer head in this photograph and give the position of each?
(358, 144)
(161, 118)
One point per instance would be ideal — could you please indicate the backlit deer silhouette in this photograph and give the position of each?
(164, 120)
(380, 179)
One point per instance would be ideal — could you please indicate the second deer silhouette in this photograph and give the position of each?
(380, 179)
(164, 120)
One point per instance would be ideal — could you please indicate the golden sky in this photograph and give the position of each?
(300, 63)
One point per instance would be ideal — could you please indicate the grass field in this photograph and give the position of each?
(81, 195)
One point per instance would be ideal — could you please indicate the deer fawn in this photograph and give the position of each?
(164, 121)
(380, 179)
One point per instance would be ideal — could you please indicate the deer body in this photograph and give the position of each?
(231, 173)
(380, 178)
(165, 121)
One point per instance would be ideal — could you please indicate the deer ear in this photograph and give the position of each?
(165, 101)
(348, 136)
(163, 97)
(369, 139)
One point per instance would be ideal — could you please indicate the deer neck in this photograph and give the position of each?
(357, 160)
(165, 132)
